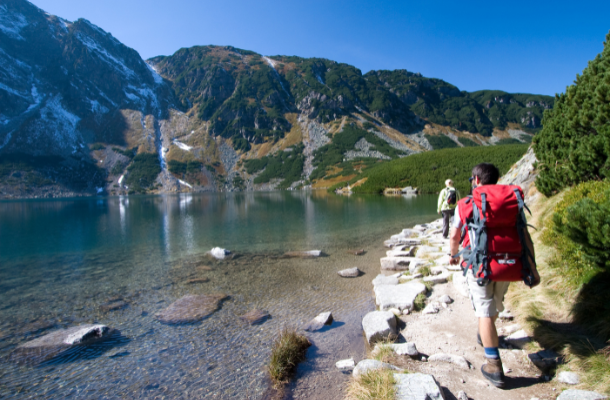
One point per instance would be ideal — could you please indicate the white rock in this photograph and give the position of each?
(437, 270)
(378, 325)
(408, 233)
(570, 378)
(325, 318)
(509, 329)
(462, 395)
(407, 278)
(405, 349)
(445, 299)
(405, 311)
(398, 296)
(400, 263)
(442, 278)
(385, 280)
(450, 358)
(444, 260)
(365, 366)
(345, 364)
(395, 311)
(431, 308)
(573, 394)
(518, 339)
(349, 272)
(219, 253)
(424, 250)
(505, 315)
(417, 387)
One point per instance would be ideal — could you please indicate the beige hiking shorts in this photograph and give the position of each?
(487, 300)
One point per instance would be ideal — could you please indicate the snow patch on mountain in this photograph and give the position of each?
(11, 23)
(182, 146)
(272, 65)
(56, 125)
(105, 56)
(158, 79)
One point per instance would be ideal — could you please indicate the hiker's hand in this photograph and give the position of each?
(454, 261)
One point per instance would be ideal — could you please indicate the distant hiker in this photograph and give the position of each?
(497, 250)
(447, 201)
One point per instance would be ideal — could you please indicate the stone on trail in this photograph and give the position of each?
(190, 308)
(365, 366)
(518, 339)
(442, 278)
(345, 364)
(462, 394)
(379, 325)
(417, 387)
(303, 254)
(219, 253)
(444, 260)
(506, 315)
(325, 318)
(432, 308)
(437, 270)
(460, 284)
(545, 360)
(349, 272)
(400, 263)
(570, 378)
(445, 299)
(398, 296)
(401, 252)
(256, 317)
(395, 311)
(450, 358)
(424, 250)
(574, 394)
(385, 280)
(407, 278)
(61, 342)
(402, 349)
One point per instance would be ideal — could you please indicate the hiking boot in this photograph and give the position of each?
(493, 372)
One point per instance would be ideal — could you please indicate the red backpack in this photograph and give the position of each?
(495, 245)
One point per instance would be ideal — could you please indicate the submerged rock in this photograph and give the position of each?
(345, 364)
(325, 318)
(256, 317)
(197, 280)
(60, 342)
(417, 387)
(191, 308)
(303, 254)
(349, 272)
(219, 253)
(379, 325)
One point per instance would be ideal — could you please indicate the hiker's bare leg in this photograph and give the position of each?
(488, 332)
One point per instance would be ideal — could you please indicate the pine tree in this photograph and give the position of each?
(574, 144)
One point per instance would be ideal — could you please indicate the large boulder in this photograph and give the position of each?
(417, 387)
(61, 342)
(385, 280)
(365, 366)
(190, 308)
(379, 325)
(398, 296)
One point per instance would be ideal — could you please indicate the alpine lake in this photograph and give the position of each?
(118, 261)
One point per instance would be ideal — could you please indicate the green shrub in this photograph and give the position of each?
(287, 165)
(440, 142)
(143, 171)
(467, 142)
(117, 168)
(573, 145)
(130, 153)
(97, 146)
(428, 171)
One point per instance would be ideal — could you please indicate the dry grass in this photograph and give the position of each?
(373, 385)
(545, 311)
(288, 350)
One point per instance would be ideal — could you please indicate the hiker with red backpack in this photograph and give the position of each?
(447, 200)
(497, 250)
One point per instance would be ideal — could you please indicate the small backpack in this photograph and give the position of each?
(451, 197)
(496, 250)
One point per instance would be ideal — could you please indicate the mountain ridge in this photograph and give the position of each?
(72, 92)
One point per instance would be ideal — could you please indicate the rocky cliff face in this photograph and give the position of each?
(81, 113)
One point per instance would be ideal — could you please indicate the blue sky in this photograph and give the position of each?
(517, 46)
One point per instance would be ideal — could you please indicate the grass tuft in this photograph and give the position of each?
(420, 302)
(425, 270)
(373, 385)
(287, 351)
(428, 286)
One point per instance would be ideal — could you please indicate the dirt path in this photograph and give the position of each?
(453, 331)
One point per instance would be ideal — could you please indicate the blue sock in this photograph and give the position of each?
(492, 352)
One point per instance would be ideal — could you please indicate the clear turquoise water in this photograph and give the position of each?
(61, 260)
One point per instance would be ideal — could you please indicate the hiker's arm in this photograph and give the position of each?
(454, 245)
(530, 245)
(440, 201)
